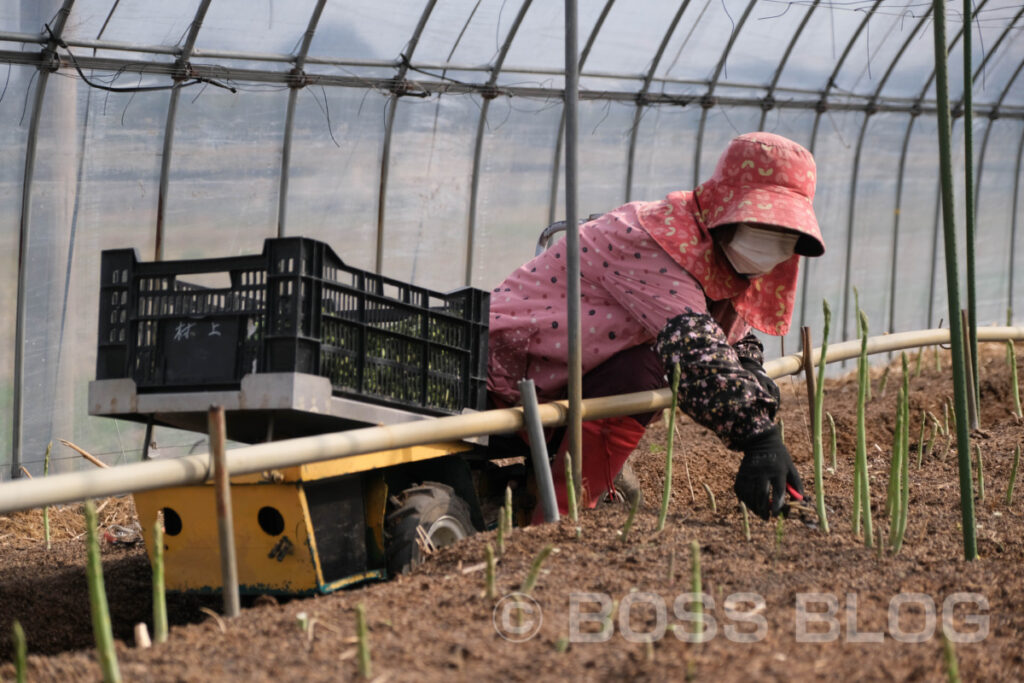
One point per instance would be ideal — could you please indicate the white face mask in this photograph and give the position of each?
(754, 251)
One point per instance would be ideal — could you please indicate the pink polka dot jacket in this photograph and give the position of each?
(652, 275)
(631, 293)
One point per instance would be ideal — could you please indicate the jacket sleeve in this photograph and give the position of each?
(714, 387)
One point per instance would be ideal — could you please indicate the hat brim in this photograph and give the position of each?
(780, 208)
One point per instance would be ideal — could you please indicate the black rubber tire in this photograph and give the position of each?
(443, 516)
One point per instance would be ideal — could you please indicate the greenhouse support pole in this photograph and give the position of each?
(641, 97)
(397, 90)
(488, 92)
(172, 115)
(556, 166)
(225, 517)
(972, 296)
(891, 327)
(295, 83)
(572, 241)
(1013, 226)
(708, 101)
(952, 285)
(18, 394)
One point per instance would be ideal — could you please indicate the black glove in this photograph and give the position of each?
(766, 469)
(766, 382)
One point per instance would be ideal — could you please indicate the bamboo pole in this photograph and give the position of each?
(952, 280)
(195, 469)
(225, 526)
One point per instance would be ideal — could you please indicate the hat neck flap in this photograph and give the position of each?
(678, 224)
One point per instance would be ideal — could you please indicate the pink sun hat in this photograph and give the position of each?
(765, 179)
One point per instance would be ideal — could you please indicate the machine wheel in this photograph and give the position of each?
(425, 517)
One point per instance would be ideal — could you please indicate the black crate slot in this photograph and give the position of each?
(294, 308)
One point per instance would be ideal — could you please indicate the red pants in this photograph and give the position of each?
(608, 442)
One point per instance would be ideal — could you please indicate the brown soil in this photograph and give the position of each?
(436, 624)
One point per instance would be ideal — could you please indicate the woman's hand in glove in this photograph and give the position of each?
(765, 470)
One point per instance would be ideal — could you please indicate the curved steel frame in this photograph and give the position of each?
(489, 93)
(181, 71)
(769, 98)
(49, 54)
(822, 107)
(557, 163)
(856, 170)
(389, 126)
(47, 61)
(642, 95)
(708, 100)
(298, 81)
(1014, 222)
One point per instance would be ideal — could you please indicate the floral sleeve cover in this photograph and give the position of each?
(750, 348)
(714, 389)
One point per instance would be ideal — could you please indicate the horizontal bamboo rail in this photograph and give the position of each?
(195, 469)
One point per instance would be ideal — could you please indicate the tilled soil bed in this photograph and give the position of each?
(792, 603)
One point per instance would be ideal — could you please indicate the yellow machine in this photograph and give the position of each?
(292, 342)
(301, 530)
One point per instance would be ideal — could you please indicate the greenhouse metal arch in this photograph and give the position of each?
(424, 140)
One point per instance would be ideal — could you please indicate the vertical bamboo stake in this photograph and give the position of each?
(20, 652)
(46, 509)
(970, 214)
(101, 629)
(952, 279)
(159, 593)
(363, 641)
(225, 525)
(667, 491)
(746, 521)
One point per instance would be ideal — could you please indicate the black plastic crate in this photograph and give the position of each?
(294, 308)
